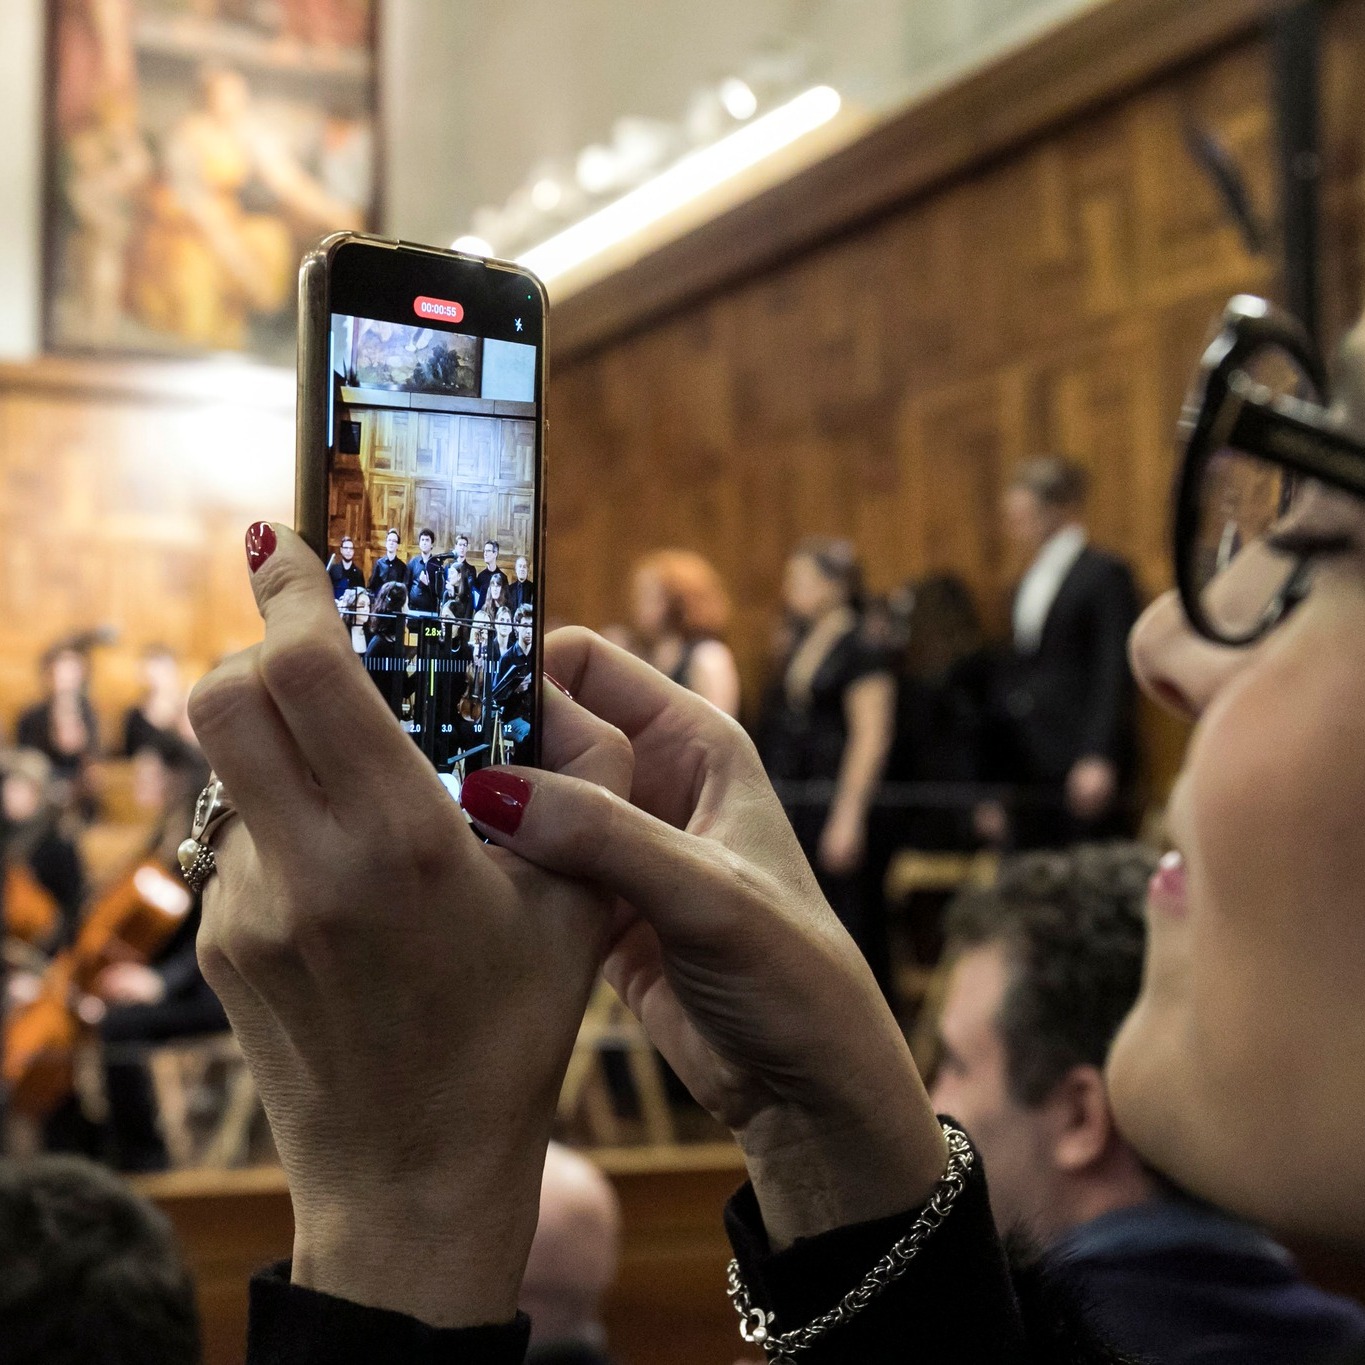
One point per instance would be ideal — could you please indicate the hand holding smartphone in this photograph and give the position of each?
(420, 484)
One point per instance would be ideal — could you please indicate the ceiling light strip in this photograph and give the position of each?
(695, 174)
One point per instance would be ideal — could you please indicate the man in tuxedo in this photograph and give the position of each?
(343, 570)
(389, 567)
(424, 575)
(513, 677)
(1067, 693)
(521, 592)
(461, 568)
(490, 567)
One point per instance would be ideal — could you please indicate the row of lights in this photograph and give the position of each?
(598, 170)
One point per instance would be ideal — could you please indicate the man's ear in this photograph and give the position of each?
(1079, 1119)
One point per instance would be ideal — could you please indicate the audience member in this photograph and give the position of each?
(463, 569)
(343, 570)
(513, 676)
(572, 1262)
(159, 720)
(355, 616)
(36, 852)
(943, 692)
(1044, 969)
(425, 580)
(1066, 689)
(681, 612)
(828, 721)
(490, 567)
(493, 593)
(521, 592)
(386, 658)
(63, 725)
(90, 1273)
(502, 628)
(389, 567)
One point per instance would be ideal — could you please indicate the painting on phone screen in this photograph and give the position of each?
(431, 532)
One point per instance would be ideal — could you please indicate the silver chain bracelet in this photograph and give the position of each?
(756, 1325)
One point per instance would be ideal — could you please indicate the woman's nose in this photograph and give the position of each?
(1175, 666)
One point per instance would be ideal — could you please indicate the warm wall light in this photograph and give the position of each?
(687, 179)
(473, 246)
(546, 194)
(740, 102)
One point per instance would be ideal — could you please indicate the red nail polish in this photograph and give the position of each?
(260, 543)
(496, 799)
(557, 685)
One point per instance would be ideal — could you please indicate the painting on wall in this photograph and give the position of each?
(195, 149)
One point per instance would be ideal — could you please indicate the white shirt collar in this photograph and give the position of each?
(1041, 584)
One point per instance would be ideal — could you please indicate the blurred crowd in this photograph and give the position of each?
(899, 722)
(99, 928)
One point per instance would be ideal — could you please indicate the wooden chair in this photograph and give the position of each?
(585, 1100)
(181, 1074)
(912, 873)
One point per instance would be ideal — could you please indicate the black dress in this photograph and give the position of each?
(804, 743)
(386, 662)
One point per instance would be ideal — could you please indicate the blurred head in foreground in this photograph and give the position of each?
(574, 1255)
(89, 1272)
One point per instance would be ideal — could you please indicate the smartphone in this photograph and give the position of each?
(420, 483)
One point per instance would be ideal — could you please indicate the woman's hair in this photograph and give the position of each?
(388, 606)
(837, 560)
(346, 605)
(698, 606)
(945, 626)
(500, 578)
(1071, 927)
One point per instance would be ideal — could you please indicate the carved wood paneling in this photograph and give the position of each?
(882, 385)
(124, 495)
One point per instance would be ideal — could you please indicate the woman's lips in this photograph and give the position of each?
(1166, 890)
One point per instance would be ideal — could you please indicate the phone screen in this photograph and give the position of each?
(433, 495)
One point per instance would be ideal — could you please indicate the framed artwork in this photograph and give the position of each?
(195, 148)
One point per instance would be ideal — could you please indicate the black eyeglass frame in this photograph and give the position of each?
(1229, 408)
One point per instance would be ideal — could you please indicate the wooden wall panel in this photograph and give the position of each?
(124, 495)
(882, 385)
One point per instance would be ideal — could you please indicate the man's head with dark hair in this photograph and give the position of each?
(1043, 969)
(89, 1272)
(1046, 493)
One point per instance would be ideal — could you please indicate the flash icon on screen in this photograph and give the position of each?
(516, 322)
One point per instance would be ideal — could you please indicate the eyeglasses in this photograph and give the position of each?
(1259, 445)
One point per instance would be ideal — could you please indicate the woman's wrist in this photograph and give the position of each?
(814, 1170)
(449, 1253)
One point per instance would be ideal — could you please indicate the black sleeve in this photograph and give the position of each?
(290, 1325)
(955, 1301)
(1108, 711)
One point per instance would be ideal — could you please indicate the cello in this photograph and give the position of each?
(475, 699)
(131, 921)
